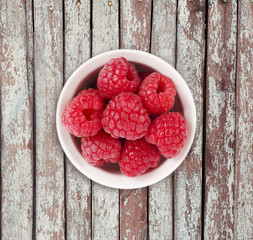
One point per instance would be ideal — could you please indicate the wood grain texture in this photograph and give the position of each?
(163, 45)
(16, 123)
(244, 125)
(135, 25)
(77, 51)
(105, 201)
(220, 120)
(190, 64)
(48, 27)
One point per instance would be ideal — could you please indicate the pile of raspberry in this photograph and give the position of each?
(127, 119)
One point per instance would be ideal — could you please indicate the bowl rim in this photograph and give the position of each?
(117, 182)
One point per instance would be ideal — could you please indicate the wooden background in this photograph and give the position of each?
(210, 43)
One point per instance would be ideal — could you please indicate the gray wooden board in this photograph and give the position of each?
(77, 51)
(48, 50)
(16, 123)
(163, 44)
(190, 64)
(243, 207)
(105, 201)
(220, 120)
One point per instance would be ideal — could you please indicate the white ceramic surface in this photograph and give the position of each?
(111, 176)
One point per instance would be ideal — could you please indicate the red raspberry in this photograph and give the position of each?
(126, 117)
(169, 133)
(118, 75)
(82, 115)
(143, 75)
(137, 157)
(157, 93)
(101, 149)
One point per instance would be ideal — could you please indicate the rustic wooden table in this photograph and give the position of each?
(210, 43)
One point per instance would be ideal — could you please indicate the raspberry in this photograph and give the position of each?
(82, 115)
(157, 93)
(137, 157)
(143, 75)
(126, 117)
(118, 75)
(101, 149)
(168, 132)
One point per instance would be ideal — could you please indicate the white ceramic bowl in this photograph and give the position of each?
(84, 77)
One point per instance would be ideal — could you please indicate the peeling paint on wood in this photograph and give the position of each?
(105, 212)
(48, 46)
(163, 45)
(105, 201)
(78, 187)
(164, 30)
(243, 225)
(190, 64)
(133, 214)
(135, 24)
(105, 34)
(16, 123)
(220, 120)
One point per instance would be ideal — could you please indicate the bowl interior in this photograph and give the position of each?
(85, 77)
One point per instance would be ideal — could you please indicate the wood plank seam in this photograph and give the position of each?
(204, 126)
(64, 155)
(91, 182)
(119, 43)
(0, 159)
(150, 42)
(119, 26)
(173, 174)
(236, 77)
(31, 8)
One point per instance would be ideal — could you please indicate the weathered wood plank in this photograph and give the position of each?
(190, 64)
(105, 33)
(133, 214)
(105, 201)
(78, 187)
(48, 58)
(163, 44)
(244, 125)
(135, 23)
(220, 120)
(163, 37)
(16, 123)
